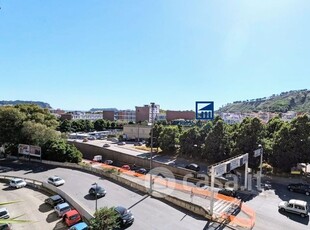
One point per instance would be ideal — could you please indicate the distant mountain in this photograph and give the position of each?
(294, 100)
(17, 102)
(102, 109)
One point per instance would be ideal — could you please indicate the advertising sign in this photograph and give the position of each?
(220, 169)
(29, 150)
(204, 110)
(235, 163)
(257, 152)
(23, 149)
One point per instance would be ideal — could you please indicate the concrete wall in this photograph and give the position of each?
(89, 151)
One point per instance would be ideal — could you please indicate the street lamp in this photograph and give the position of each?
(151, 159)
(96, 195)
(260, 147)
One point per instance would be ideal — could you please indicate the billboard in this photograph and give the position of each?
(29, 150)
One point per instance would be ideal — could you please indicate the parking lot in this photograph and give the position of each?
(30, 207)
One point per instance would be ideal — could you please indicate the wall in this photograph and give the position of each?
(89, 151)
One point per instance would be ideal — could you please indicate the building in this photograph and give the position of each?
(81, 116)
(125, 115)
(136, 132)
(174, 115)
(108, 115)
(145, 113)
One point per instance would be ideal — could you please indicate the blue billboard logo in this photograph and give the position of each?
(204, 110)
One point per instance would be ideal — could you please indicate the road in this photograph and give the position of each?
(266, 207)
(149, 213)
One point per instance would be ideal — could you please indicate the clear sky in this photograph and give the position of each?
(87, 54)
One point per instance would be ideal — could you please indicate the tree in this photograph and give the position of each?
(60, 150)
(88, 126)
(157, 129)
(248, 136)
(37, 134)
(105, 218)
(283, 153)
(189, 142)
(169, 138)
(11, 122)
(65, 126)
(216, 144)
(38, 115)
(99, 125)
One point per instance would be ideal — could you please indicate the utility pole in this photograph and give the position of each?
(151, 155)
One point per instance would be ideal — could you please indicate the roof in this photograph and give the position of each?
(63, 205)
(3, 209)
(16, 179)
(80, 225)
(298, 202)
(56, 197)
(72, 212)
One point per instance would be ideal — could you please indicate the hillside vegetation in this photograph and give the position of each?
(294, 100)
(19, 102)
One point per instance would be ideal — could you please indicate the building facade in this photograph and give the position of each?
(174, 115)
(136, 132)
(145, 113)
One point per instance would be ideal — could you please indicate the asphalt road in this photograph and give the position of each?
(31, 207)
(149, 213)
(266, 203)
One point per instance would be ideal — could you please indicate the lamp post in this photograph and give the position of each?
(151, 156)
(96, 195)
(260, 147)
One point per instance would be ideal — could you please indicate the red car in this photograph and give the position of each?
(72, 217)
(126, 167)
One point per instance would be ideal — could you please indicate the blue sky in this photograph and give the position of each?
(99, 54)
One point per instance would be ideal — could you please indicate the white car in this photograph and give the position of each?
(17, 183)
(55, 180)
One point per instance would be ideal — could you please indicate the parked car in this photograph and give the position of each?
(106, 145)
(228, 192)
(17, 183)
(138, 144)
(4, 213)
(141, 171)
(299, 207)
(62, 208)
(97, 158)
(126, 167)
(97, 190)
(54, 200)
(108, 162)
(6, 226)
(192, 166)
(55, 180)
(121, 143)
(71, 217)
(299, 187)
(125, 217)
(79, 226)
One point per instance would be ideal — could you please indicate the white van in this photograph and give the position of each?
(97, 158)
(295, 206)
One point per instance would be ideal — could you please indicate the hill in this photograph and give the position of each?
(294, 100)
(17, 102)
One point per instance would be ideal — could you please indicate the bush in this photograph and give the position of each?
(267, 168)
